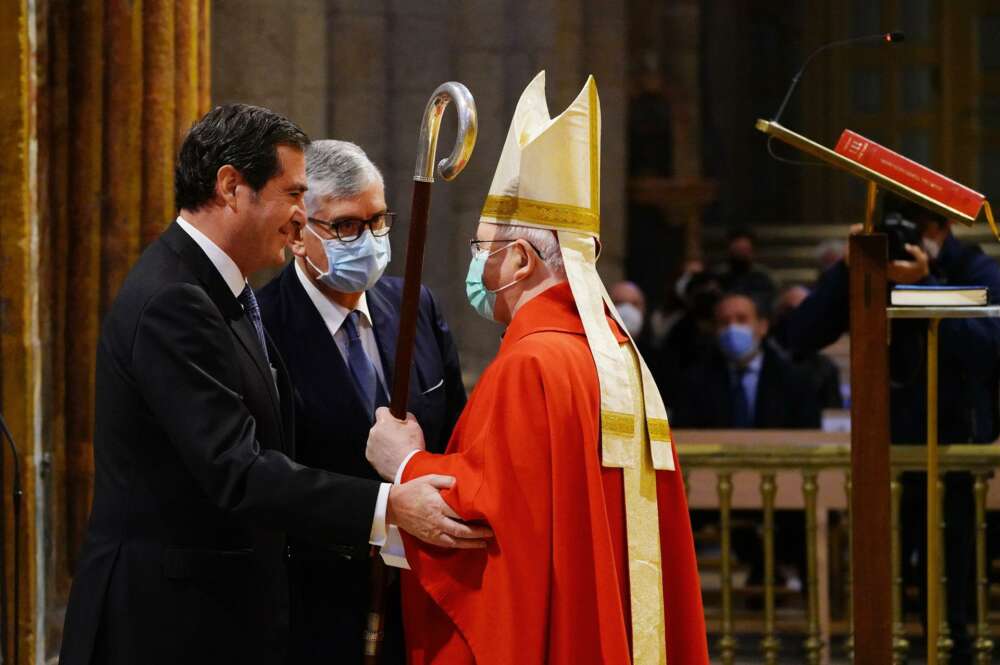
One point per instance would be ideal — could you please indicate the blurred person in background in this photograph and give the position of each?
(968, 379)
(691, 340)
(750, 383)
(663, 317)
(822, 373)
(630, 302)
(746, 381)
(828, 253)
(740, 272)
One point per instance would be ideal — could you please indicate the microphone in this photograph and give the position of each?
(887, 37)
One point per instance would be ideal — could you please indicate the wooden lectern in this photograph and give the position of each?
(871, 561)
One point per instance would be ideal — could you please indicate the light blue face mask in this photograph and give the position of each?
(481, 298)
(736, 342)
(353, 266)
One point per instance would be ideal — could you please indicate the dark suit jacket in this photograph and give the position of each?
(184, 558)
(330, 588)
(785, 399)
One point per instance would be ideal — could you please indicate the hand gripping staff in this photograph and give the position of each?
(423, 177)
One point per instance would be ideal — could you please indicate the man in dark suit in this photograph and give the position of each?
(195, 487)
(750, 383)
(335, 319)
(746, 382)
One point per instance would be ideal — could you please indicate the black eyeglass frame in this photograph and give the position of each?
(388, 219)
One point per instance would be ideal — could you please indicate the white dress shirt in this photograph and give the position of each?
(226, 266)
(334, 315)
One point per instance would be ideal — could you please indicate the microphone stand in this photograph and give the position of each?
(888, 37)
(16, 502)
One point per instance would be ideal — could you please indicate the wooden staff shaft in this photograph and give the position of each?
(375, 624)
(411, 298)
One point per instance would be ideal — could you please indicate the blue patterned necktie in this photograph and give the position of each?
(252, 310)
(361, 366)
(741, 405)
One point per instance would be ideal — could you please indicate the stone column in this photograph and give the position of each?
(19, 317)
(274, 54)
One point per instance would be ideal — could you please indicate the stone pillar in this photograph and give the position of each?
(122, 144)
(274, 54)
(83, 270)
(681, 59)
(20, 361)
(604, 56)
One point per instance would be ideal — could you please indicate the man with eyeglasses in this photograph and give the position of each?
(335, 319)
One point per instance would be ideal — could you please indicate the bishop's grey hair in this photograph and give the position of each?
(544, 240)
(338, 170)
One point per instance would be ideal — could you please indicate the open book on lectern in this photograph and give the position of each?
(892, 172)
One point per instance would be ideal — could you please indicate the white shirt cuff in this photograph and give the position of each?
(377, 537)
(394, 552)
(402, 467)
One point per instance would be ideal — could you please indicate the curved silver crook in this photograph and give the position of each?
(468, 126)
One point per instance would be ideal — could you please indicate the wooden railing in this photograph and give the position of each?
(821, 464)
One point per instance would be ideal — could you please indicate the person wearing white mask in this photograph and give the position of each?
(630, 302)
(335, 318)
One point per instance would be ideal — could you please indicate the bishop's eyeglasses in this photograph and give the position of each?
(348, 230)
(475, 245)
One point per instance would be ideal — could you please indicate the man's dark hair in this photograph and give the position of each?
(737, 232)
(760, 303)
(246, 137)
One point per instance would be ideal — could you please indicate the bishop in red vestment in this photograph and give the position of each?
(563, 449)
(553, 587)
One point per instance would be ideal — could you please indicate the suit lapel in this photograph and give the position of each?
(766, 383)
(247, 335)
(385, 321)
(217, 289)
(317, 346)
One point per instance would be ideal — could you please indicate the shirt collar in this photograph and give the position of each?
(333, 313)
(752, 367)
(230, 272)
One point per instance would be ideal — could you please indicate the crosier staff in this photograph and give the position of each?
(423, 177)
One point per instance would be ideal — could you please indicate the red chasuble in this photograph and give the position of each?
(553, 586)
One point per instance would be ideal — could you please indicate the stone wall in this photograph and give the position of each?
(362, 70)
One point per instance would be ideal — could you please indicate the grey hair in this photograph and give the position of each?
(338, 170)
(544, 240)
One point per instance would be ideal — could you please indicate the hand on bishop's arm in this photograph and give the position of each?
(417, 508)
(391, 441)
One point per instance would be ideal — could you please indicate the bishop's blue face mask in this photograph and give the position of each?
(482, 299)
(353, 266)
(737, 342)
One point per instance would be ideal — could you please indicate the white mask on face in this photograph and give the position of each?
(932, 247)
(631, 317)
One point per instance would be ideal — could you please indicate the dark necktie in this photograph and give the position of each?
(361, 366)
(252, 310)
(741, 407)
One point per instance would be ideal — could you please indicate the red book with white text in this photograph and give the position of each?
(908, 172)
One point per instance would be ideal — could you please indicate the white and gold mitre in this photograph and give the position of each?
(549, 177)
